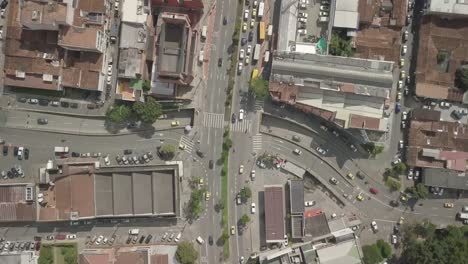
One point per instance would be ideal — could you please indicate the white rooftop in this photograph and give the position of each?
(459, 7)
(134, 11)
(288, 24)
(346, 14)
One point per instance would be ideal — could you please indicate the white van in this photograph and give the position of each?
(266, 58)
(324, 19)
(204, 31)
(134, 231)
(200, 57)
(178, 237)
(241, 114)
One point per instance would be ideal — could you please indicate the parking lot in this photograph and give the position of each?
(313, 26)
(447, 112)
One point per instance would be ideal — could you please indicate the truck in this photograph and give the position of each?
(462, 216)
(270, 30)
(200, 57)
(61, 149)
(266, 57)
(257, 51)
(203, 32)
(261, 7)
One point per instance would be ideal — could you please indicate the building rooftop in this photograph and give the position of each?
(440, 136)
(296, 196)
(92, 6)
(287, 24)
(79, 38)
(452, 7)
(445, 178)
(425, 114)
(134, 12)
(449, 38)
(274, 214)
(346, 14)
(49, 14)
(380, 43)
(131, 63)
(133, 36)
(17, 203)
(172, 48)
(316, 224)
(149, 254)
(344, 252)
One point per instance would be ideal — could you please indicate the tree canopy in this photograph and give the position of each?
(245, 193)
(393, 184)
(340, 45)
(167, 151)
(371, 254)
(461, 78)
(423, 243)
(374, 149)
(118, 114)
(244, 220)
(186, 253)
(146, 85)
(418, 191)
(259, 87)
(149, 111)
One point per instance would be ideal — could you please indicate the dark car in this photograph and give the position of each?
(148, 239)
(200, 153)
(233, 118)
(142, 238)
(220, 62)
(23, 100)
(15, 151)
(73, 105)
(129, 239)
(211, 164)
(243, 41)
(210, 240)
(42, 121)
(250, 36)
(75, 154)
(127, 151)
(456, 115)
(396, 229)
(360, 175)
(91, 106)
(65, 104)
(131, 125)
(38, 245)
(5, 150)
(26, 153)
(224, 20)
(43, 102)
(3, 4)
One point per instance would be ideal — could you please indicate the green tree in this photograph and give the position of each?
(419, 191)
(372, 254)
(461, 78)
(167, 151)
(340, 45)
(227, 143)
(186, 253)
(118, 114)
(374, 149)
(393, 184)
(149, 111)
(146, 85)
(399, 168)
(244, 220)
(245, 193)
(46, 255)
(441, 56)
(224, 236)
(259, 87)
(385, 248)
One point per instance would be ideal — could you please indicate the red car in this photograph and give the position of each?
(374, 190)
(60, 237)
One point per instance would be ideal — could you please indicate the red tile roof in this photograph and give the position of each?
(363, 122)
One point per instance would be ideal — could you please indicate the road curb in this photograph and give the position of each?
(54, 112)
(92, 134)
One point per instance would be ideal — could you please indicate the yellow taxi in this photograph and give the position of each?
(360, 197)
(401, 221)
(200, 182)
(244, 27)
(252, 23)
(175, 123)
(350, 175)
(254, 13)
(247, 60)
(233, 230)
(207, 196)
(448, 205)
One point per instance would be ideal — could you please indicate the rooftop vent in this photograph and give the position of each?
(47, 77)
(20, 74)
(29, 194)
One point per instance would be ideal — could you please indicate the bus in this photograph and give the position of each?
(261, 7)
(261, 31)
(462, 216)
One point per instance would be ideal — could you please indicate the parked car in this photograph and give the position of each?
(375, 228)
(5, 150)
(373, 190)
(74, 105)
(43, 102)
(65, 104)
(42, 121)
(60, 237)
(253, 208)
(309, 203)
(148, 239)
(334, 181)
(322, 151)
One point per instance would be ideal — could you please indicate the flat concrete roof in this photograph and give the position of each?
(172, 49)
(164, 184)
(141, 203)
(104, 201)
(122, 194)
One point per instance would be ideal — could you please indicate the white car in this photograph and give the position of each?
(400, 85)
(249, 49)
(241, 114)
(252, 208)
(410, 174)
(401, 144)
(109, 69)
(445, 104)
(252, 175)
(324, 8)
(404, 115)
(395, 162)
(324, 14)
(302, 31)
(375, 228)
(416, 174)
(239, 68)
(309, 203)
(303, 14)
(33, 101)
(306, 2)
(404, 49)
(255, 3)
(241, 54)
(99, 240)
(405, 35)
(297, 151)
(71, 236)
(241, 169)
(109, 79)
(334, 181)
(403, 124)
(321, 150)
(116, 5)
(302, 6)
(302, 19)
(394, 239)
(246, 15)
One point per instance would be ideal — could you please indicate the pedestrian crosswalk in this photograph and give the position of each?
(187, 142)
(256, 142)
(259, 103)
(242, 126)
(213, 120)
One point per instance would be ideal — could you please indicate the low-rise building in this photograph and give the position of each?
(18, 202)
(149, 254)
(350, 92)
(274, 214)
(445, 178)
(296, 205)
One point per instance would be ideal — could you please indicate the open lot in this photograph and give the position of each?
(314, 27)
